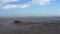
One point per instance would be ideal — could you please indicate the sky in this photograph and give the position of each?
(29, 8)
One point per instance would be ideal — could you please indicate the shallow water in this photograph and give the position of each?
(29, 28)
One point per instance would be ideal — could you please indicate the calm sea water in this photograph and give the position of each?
(10, 25)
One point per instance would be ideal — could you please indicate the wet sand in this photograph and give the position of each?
(51, 28)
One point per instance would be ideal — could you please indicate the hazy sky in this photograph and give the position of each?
(22, 8)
